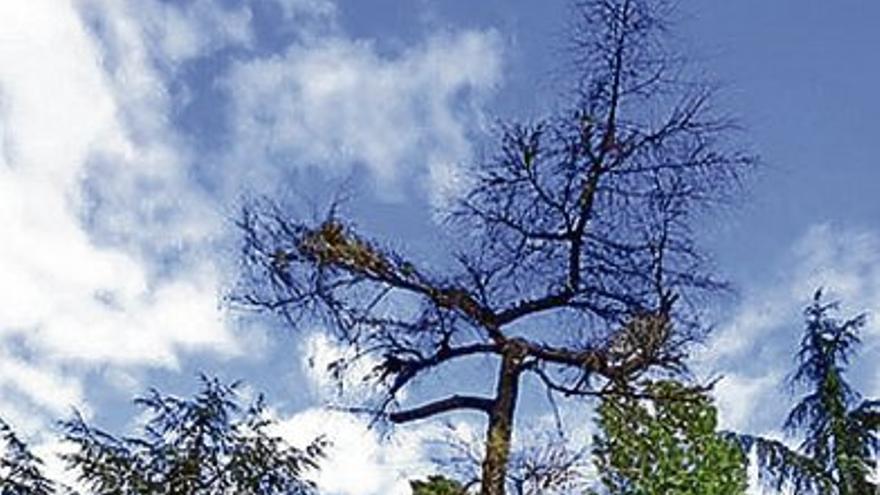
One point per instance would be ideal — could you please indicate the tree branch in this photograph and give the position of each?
(451, 403)
(407, 369)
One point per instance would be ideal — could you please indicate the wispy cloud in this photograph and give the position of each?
(327, 381)
(755, 350)
(338, 103)
(111, 238)
(70, 297)
(360, 460)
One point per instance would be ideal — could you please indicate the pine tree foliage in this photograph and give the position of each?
(21, 472)
(207, 445)
(840, 430)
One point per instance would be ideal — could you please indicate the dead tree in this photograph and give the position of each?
(575, 255)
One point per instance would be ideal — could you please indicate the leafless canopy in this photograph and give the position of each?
(576, 258)
(546, 463)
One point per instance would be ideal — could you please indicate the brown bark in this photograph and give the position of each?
(500, 427)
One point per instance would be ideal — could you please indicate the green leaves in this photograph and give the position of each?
(436, 485)
(666, 445)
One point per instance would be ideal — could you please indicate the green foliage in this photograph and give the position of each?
(840, 432)
(21, 472)
(209, 444)
(667, 445)
(782, 465)
(436, 485)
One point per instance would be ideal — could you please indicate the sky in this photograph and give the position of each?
(130, 132)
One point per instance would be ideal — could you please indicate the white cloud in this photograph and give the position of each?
(319, 354)
(187, 30)
(108, 259)
(57, 392)
(321, 8)
(338, 102)
(756, 349)
(68, 297)
(359, 460)
(738, 396)
(50, 450)
(365, 458)
(844, 261)
(95, 189)
(96, 192)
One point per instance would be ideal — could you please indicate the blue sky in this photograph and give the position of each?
(130, 131)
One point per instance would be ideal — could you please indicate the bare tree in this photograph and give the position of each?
(547, 462)
(575, 255)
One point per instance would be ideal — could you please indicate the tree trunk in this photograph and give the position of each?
(501, 420)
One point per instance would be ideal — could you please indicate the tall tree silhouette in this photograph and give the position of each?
(840, 429)
(575, 257)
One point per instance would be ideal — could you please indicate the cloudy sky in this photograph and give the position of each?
(130, 131)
